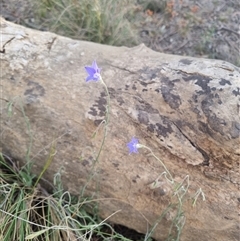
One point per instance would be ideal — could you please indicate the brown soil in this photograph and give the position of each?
(207, 28)
(204, 28)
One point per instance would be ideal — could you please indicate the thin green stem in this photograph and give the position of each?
(106, 119)
(165, 168)
(195, 198)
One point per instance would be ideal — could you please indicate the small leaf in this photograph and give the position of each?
(34, 235)
(9, 108)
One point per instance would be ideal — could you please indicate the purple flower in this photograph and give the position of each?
(133, 145)
(93, 72)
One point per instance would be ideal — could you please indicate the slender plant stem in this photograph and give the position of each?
(165, 168)
(106, 119)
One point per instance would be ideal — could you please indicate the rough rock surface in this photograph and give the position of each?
(185, 109)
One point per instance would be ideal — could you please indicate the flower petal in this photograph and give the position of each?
(93, 72)
(94, 65)
(132, 145)
(90, 70)
(89, 78)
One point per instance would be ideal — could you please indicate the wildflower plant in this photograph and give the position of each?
(93, 72)
(179, 191)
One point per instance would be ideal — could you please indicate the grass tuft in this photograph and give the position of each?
(101, 21)
(31, 213)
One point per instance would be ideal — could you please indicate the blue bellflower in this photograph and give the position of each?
(93, 72)
(133, 145)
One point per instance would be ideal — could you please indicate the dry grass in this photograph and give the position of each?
(101, 21)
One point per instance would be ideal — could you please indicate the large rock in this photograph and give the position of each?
(185, 109)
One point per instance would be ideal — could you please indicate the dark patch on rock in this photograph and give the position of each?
(204, 128)
(134, 87)
(224, 82)
(31, 98)
(196, 111)
(143, 117)
(214, 122)
(145, 84)
(135, 179)
(144, 106)
(219, 101)
(144, 90)
(85, 162)
(120, 100)
(195, 98)
(34, 91)
(148, 74)
(163, 130)
(213, 98)
(176, 80)
(185, 61)
(173, 100)
(203, 82)
(115, 95)
(236, 92)
(112, 93)
(150, 128)
(101, 103)
(97, 122)
(103, 94)
(235, 130)
(116, 164)
(13, 79)
(167, 82)
(93, 111)
(99, 108)
(126, 87)
(181, 73)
